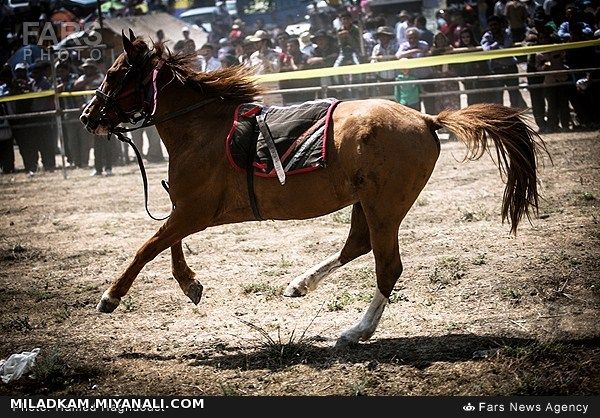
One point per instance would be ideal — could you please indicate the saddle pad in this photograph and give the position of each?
(299, 133)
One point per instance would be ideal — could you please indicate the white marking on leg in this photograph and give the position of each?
(367, 325)
(107, 303)
(311, 278)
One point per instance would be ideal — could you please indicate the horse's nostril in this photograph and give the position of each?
(83, 119)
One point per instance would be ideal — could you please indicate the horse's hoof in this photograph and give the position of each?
(107, 303)
(344, 342)
(295, 291)
(194, 292)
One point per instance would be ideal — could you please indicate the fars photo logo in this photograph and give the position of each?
(45, 34)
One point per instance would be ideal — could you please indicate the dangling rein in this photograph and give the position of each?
(150, 121)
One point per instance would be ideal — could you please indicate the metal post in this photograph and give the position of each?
(58, 115)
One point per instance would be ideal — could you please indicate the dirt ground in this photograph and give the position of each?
(476, 312)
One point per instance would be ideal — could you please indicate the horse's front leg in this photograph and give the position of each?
(168, 235)
(184, 275)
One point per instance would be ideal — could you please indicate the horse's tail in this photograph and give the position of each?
(517, 146)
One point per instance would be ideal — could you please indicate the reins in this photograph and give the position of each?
(148, 120)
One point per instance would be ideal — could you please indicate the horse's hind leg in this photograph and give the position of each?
(388, 265)
(357, 244)
(184, 275)
(172, 231)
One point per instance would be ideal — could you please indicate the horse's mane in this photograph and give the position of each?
(232, 84)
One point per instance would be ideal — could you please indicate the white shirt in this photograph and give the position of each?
(210, 65)
(266, 63)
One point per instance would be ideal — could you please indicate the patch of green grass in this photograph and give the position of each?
(446, 271)
(49, 369)
(39, 295)
(130, 305)
(512, 294)
(267, 290)
(284, 263)
(344, 299)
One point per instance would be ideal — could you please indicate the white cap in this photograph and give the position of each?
(185, 29)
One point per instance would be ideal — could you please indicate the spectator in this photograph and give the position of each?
(154, 153)
(424, 33)
(281, 38)
(91, 80)
(188, 45)
(225, 48)
(28, 144)
(295, 59)
(7, 150)
(517, 16)
(208, 62)
(350, 42)
(556, 95)
(407, 94)
(325, 52)
(221, 21)
(441, 45)
(265, 59)
(44, 129)
(229, 61)
(415, 48)
(534, 81)
(574, 26)
(384, 51)
(248, 47)
(306, 46)
(65, 80)
(160, 37)
(499, 8)
(401, 26)
(473, 68)
(498, 37)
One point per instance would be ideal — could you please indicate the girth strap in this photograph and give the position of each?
(264, 130)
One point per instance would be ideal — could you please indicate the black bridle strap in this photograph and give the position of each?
(138, 155)
(119, 132)
(155, 121)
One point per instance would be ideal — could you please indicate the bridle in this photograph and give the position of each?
(144, 111)
(112, 101)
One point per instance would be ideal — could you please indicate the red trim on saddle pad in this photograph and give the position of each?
(298, 130)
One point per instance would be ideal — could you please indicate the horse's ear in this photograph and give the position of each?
(127, 44)
(131, 35)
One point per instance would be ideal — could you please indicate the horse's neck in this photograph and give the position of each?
(196, 127)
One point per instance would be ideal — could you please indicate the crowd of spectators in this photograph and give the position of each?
(347, 34)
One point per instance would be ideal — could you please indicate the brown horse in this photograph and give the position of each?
(380, 156)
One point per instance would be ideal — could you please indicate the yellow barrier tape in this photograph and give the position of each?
(400, 64)
(45, 93)
(407, 63)
(25, 96)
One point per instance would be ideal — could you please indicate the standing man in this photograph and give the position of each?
(499, 37)
(415, 48)
(188, 46)
(208, 62)
(91, 80)
(401, 26)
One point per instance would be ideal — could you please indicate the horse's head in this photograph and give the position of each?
(121, 96)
